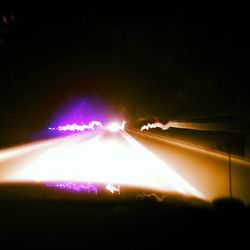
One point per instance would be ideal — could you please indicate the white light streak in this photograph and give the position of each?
(112, 188)
(115, 126)
(155, 125)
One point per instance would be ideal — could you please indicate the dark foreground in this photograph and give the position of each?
(115, 223)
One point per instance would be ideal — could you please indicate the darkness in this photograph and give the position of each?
(78, 222)
(163, 60)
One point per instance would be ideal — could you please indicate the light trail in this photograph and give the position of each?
(156, 125)
(194, 147)
(115, 126)
(80, 128)
(112, 127)
(75, 187)
(103, 158)
(112, 188)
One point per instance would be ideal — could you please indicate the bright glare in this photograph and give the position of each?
(115, 126)
(112, 188)
(98, 159)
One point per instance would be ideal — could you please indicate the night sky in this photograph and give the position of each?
(164, 60)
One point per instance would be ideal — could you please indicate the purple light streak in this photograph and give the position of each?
(79, 128)
(74, 187)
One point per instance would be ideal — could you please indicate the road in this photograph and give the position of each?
(128, 158)
(207, 170)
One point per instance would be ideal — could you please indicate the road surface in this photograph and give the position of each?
(128, 158)
(207, 170)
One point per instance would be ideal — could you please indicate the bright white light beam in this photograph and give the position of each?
(99, 159)
(115, 126)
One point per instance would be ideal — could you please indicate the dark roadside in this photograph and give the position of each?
(65, 220)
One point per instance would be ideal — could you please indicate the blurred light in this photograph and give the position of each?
(74, 187)
(155, 125)
(13, 17)
(96, 158)
(80, 128)
(112, 188)
(115, 126)
(5, 19)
